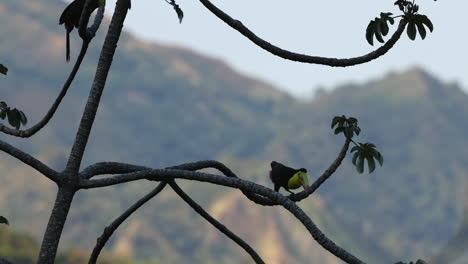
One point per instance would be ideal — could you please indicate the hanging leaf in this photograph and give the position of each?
(421, 30)
(370, 31)
(411, 30)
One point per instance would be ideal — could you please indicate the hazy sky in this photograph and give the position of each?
(321, 28)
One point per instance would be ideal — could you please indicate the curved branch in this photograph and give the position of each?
(167, 175)
(101, 168)
(29, 160)
(288, 55)
(34, 129)
(222, 228)
(325, 175)
(110, 229)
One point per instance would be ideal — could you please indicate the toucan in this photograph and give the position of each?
(71, 17)
(288, 178)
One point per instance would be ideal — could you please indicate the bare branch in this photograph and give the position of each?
(170, 174)
(109, 230)
(325, 175)
(103, 67)
(34, 129)
(288, 55)
(222, 228)
(91, 32)
(30, 160)
(109, 168)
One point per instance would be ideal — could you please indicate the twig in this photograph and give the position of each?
(109, 230)
(222, 228)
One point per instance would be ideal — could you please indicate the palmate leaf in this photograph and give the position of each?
(365, 152)
(370, 31)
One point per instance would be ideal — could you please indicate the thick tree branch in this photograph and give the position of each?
(170, 174)
(30, 160)
(109, 230)
(34, 129)
(101, 168)
(104, 64)
(222, 228)
(288, 55)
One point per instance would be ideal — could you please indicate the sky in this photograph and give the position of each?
(319, 28)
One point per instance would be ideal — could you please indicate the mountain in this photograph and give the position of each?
(164, 105)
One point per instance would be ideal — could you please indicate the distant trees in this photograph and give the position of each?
(73, 178)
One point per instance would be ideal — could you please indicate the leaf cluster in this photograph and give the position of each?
(347, 126)
(15, 117)
(416, 24)
(379, 28)
(177, 9)
(363, 152)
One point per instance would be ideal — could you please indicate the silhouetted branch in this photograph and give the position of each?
(34, 129)
(222, 228)
(102, 71)
(29, 160)
(91, 31)
(325, 175)
(285, 54)
(170, 174)
(109, 230)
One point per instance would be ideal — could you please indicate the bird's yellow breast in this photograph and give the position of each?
(294, 182)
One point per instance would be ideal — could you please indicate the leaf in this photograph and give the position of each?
(3, 69)
(370, 31)
(383, 27)
(355, 156)
(14, 118)
(421, 29)
(379, 158)
(180, 13)
(3, 114)
(378, 31)
(23, 118)
(360, 164)
(335, 121)
(411, 30)
(426, 21)
(339, 130)
(371, 164)
(3, 220)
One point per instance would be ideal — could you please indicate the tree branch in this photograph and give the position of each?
(288, 55)
(34, 129)
(30, 160)
(167, 175)
(110, 229)
(222, 228)
(103, 67)
(325, 175)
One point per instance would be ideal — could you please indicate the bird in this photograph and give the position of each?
(288, 178)
(71, 17)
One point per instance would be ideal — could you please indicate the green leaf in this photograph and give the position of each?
(3, 220)
(370, 31)
(3, 69)
(14, 118)
(383, 27)
(371, 164)
(3, 114)
(411, 30)
(379, 158)
(339, 130)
